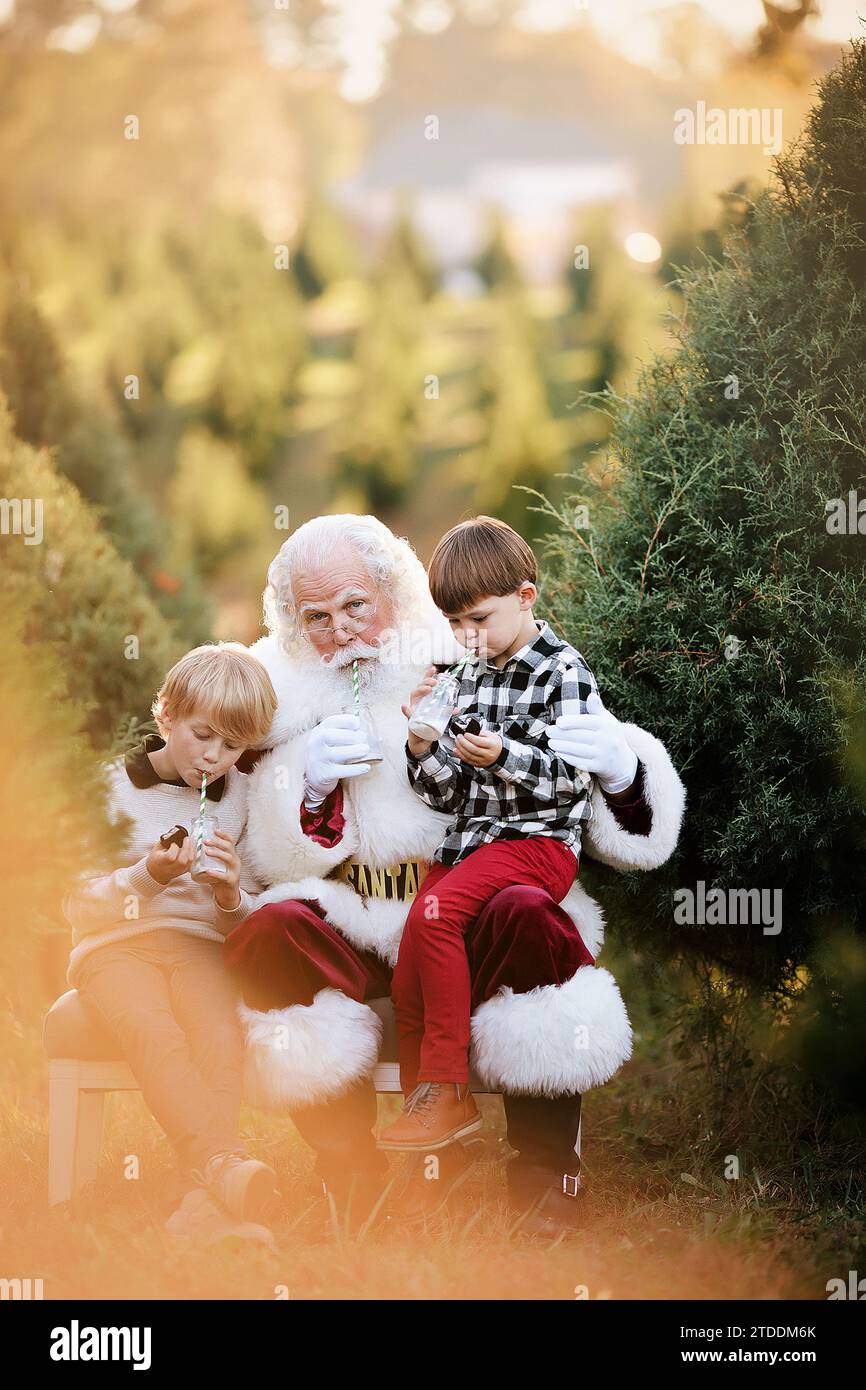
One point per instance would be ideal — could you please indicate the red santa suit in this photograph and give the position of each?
(547, 1023)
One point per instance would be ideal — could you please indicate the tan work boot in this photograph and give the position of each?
(430, 1188)
(246, 1188)
(435, 1114)
(198, 1223)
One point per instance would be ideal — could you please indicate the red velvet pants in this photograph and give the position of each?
(431, 987)
(286, 952)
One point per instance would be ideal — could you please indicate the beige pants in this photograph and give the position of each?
(167, 999)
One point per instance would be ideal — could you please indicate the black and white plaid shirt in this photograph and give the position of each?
(528, 790)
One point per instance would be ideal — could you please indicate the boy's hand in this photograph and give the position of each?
(227, 885)
(417, 746)
(167, 864)
(479, 750)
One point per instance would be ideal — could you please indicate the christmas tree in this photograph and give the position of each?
(719, 590)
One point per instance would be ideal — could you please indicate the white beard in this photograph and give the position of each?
(344, 656)
(309, 688)
(376, 668)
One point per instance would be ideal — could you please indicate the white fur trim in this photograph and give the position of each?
(606, 840)
(276, 847)
(586, 915)
(321, 1050)
(529, 1044)
(376, 927)
(376, 924)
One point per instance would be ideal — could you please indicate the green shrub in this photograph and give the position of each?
(709, 596)
(91, 450)
(78, 598)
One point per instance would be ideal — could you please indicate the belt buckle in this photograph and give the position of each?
(570, 1184)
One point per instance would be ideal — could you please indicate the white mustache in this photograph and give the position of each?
(344, 656)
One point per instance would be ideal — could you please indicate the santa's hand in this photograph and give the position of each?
(595, 741)
(331, 750)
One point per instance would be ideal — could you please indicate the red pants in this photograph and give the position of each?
(286, 952)
(431, 988)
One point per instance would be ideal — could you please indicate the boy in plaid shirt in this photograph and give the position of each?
(518, 810)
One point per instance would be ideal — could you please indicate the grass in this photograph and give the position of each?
(648, 1232)
(660, 1218)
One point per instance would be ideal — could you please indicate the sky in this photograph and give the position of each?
(628, 25)
(361, 29)
(615, 18)
(355, 34)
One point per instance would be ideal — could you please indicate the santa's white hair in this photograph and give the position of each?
(390, 561)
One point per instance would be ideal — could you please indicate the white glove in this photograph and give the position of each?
(595, 741)
(330, 748)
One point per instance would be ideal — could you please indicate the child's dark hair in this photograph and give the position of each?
(476, 558)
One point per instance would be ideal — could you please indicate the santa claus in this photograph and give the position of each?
(344, 842)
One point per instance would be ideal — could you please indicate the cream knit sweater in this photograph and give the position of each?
(123, 904)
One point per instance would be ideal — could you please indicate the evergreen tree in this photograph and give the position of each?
(717, 600)
(74, 594)
(376, 442)
(236, 368)
(523, 445)
(406, 257)
(686, 244)
(218, 510)
(324, 252)
(53, 822)
(95, 455)
(495, 263)
(32, 374)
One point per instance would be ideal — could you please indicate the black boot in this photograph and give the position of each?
(353, 1198)
(544, 1180)
(351, 1169)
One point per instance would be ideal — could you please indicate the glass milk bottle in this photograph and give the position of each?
(368, 734)
(203, 828)
(432, 713)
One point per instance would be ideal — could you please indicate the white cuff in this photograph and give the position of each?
(314, 800)
(620, 784)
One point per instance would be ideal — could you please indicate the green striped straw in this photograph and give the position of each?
(199, 839)
(356, 687)
(462, 662)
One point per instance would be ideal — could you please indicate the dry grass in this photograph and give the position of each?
(647, 1233)
(660, 1218)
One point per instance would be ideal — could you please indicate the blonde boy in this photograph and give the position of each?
(148, 940)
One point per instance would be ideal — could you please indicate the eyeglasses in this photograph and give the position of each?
(358, 616)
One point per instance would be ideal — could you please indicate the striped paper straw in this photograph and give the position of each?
(199, 839)
(470, 656)
(356, 687)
